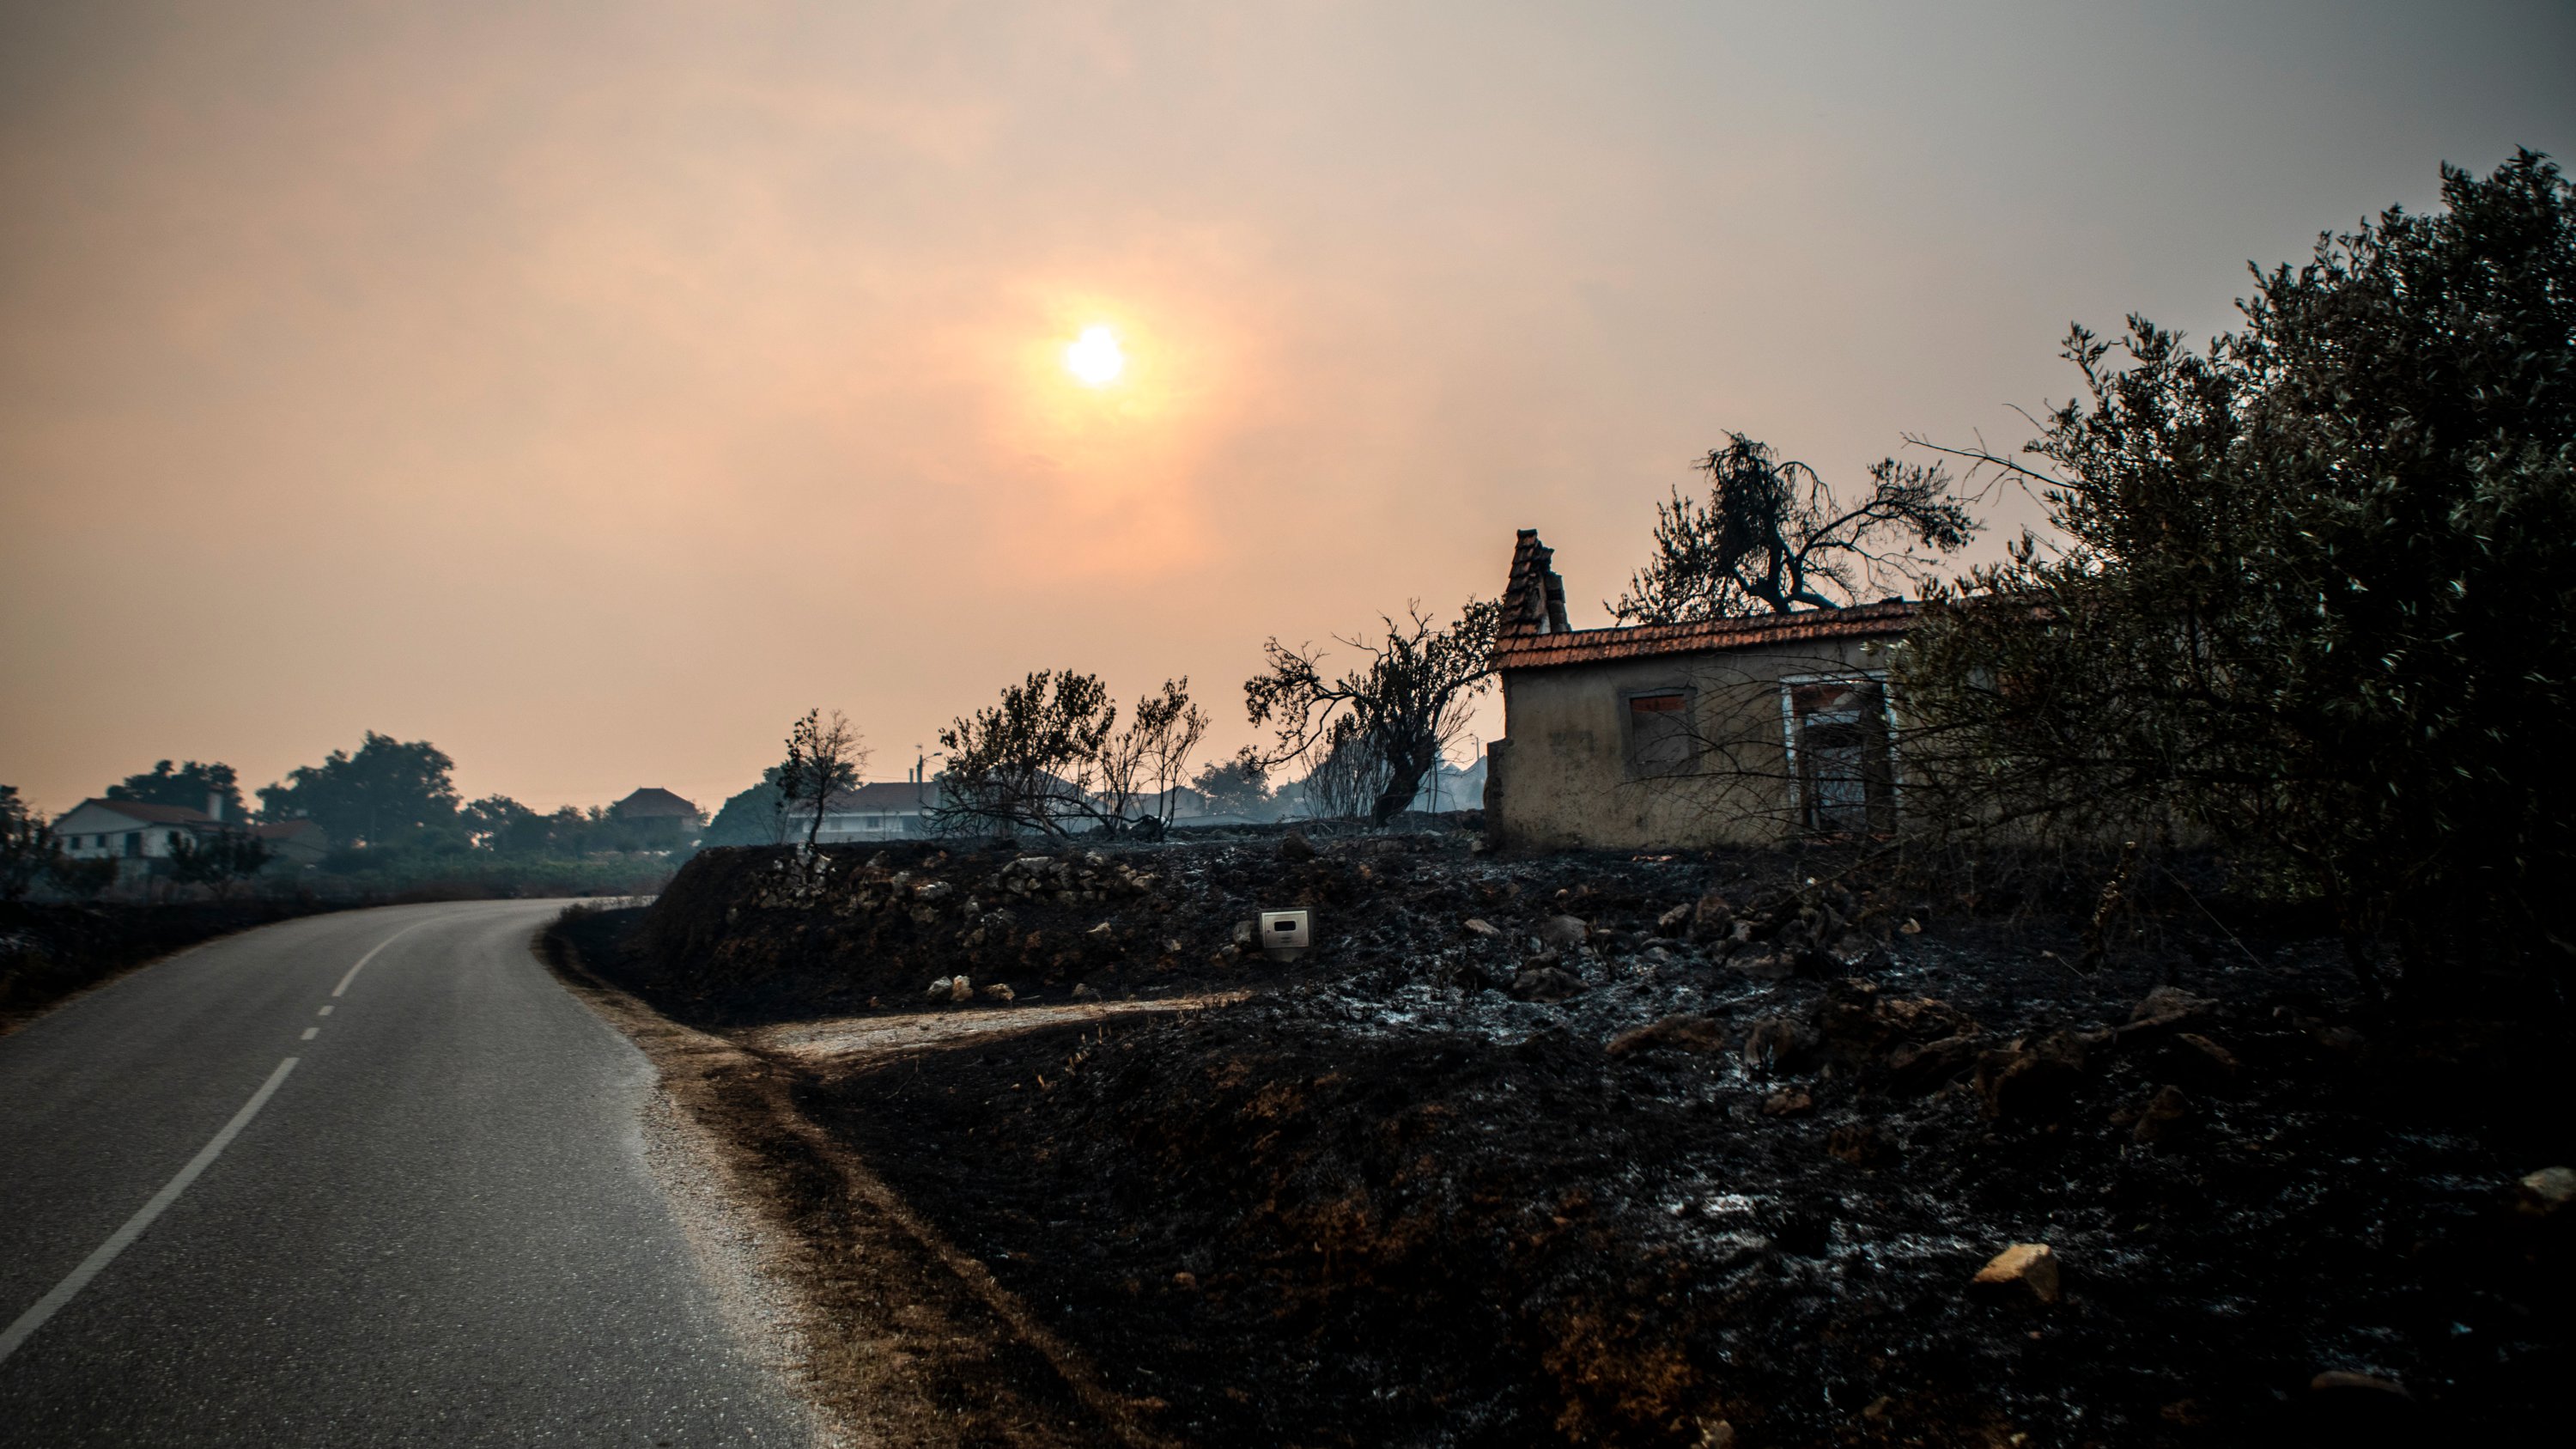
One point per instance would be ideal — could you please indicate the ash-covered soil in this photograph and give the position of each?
(1685, 1151)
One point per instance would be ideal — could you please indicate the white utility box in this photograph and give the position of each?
(1285, 934)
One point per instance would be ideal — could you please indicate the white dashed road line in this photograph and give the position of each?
(371, 955)
(90, 1267)
(311, 1032)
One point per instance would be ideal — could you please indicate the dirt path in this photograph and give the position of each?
(900, 1337)
(859, 1040)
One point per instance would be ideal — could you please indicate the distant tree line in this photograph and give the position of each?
(390, 805)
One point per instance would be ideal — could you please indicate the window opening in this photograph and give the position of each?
(1659, 740)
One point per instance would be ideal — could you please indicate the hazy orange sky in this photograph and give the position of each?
(592, 388)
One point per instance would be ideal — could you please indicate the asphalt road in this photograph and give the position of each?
(436, 1227)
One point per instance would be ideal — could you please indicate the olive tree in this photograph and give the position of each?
(1772, 537)
(27, 845)
(1050, 756)
(218, 860)
(1387, 720)
(824, 756)
(2314, 591)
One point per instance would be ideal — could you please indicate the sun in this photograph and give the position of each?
(1095, 357)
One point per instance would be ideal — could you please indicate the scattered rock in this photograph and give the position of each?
(2023, 1268)
(1910, 928)
(1766, 966)
(1788, 1102)
(2346, 1381)
(1565, 933)
(1712, 919)
(1295, 846)
(2546, 1193)
(960, 989)
(1186, 1280)
(1857, 1143)
(2188, 1413)
(2345, 1407)
(1674, 922)
(1861, 1023)
(2169, 1003)
(1850, 1005)
(1544, 983)
(1854, 952)
(2165, 1114)
(1915, 1068)
(1778, 1044)
(2031, 1081)
(1681, 1033)
(1082, 992)
(1923, 1018)
(998, 991)
(1720, 1435)
(1104, 931)
(2198, 1063)
(1246, 933)
(1483, 930)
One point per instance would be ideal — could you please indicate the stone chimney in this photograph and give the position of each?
(1534, 597)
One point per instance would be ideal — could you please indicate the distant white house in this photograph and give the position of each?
(144, 836)
(131, 830)
(896, 810)
(1451, 788)
(148, 834)
(1446, 788)
(1186, 805)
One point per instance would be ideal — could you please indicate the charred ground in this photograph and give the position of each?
(1667, 1151)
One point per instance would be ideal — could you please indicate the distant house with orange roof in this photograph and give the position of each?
(656, 815)
(146, 835)
(97, 829)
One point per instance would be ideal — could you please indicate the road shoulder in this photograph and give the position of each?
(895, 1336)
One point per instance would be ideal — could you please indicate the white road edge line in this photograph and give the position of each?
(371, 955)
(27, 1323)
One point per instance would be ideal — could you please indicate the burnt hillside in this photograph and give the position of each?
(1680, 1151)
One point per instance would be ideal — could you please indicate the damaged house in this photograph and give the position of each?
(1715, 731)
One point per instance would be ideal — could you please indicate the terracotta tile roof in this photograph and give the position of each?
(150, 814)
(1533, 634)
(653, 802)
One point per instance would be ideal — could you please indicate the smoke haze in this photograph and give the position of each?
(591, 389)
